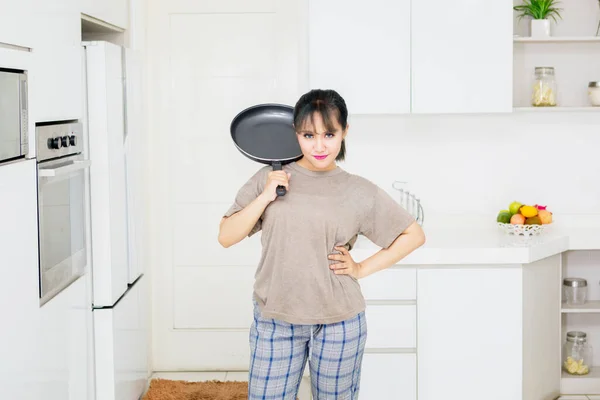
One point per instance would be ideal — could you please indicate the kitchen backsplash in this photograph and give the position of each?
(478, 164)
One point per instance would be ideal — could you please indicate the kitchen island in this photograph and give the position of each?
(469, 315)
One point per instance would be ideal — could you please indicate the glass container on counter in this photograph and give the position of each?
(575, 291)
(577, 354)
(544, 88)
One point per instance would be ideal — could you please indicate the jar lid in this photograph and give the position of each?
(576, 336)
(544, 70)
(594, 84)
(575, 282)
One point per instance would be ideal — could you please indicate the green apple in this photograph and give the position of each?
(514, 207)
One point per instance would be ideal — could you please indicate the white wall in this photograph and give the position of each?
(480, 163)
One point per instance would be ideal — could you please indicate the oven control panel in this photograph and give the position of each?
(58, 140)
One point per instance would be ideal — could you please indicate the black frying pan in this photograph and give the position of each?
(265, 133)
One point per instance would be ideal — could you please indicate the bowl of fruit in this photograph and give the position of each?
(525, 220)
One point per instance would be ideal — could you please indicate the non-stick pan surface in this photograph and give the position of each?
(265, 133)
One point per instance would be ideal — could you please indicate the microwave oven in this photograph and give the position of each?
(13, 115)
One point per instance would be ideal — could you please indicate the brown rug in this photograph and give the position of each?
(165, 389)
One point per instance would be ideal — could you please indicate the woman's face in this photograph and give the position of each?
(319, 145)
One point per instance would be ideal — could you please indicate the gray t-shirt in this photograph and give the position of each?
(321, 210)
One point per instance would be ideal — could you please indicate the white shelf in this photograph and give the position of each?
(592, 306)
(584, 384)
(557, 109)
(558, 39)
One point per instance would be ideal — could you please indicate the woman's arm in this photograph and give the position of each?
(236, 227)
(411, 239)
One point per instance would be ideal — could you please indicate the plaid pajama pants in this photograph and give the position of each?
(279, 351)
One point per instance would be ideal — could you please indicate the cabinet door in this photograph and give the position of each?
(57, 83)
(362, 50)
(114, 12)
(462, 56)
(470, 333)
(16, 28)
(388, 376)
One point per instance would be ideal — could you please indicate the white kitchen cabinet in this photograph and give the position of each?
(389, 376)
(469, 334)
(462, 56)
(120, 345)
(15, 23)
(362, 51)
(57, 84)
(391, 326)
(114, 12)
(43, 348)
(487, 329)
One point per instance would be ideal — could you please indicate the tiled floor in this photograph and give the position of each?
(304, 393)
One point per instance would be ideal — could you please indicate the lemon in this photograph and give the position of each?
(528, 211)
(503, 216)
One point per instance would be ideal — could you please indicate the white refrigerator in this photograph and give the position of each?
(120, 299)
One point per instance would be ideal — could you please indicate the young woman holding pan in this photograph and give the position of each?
(307, 300)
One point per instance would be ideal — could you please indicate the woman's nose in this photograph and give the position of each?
(319, 145)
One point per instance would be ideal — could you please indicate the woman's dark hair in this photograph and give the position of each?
(328, 103)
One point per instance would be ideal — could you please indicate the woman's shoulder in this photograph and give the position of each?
(362, 185)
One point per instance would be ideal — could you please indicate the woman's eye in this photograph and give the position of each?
(308, 136)
(329, 135)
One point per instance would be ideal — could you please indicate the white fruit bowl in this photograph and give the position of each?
(523, 230)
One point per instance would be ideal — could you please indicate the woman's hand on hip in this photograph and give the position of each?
(345, 264)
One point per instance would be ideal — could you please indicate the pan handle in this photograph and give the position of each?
(280, 189)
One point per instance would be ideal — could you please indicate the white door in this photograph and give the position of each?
(135, 142)
(462, 56)
(211, 60)
(107, 171)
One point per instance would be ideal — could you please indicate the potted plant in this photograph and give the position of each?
(540, 11)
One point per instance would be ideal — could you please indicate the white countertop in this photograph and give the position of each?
(489, 246)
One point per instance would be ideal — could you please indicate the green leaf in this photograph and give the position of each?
(539, 9)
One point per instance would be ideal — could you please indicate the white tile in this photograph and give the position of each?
(571, 397)
(593, 397)
(237, 376)
(190, 376)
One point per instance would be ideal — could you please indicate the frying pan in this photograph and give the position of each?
(265, 133)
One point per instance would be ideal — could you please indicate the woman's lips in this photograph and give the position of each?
(320, 157)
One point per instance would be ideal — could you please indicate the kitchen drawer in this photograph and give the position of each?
(388, 376)
(391, 326)
(391, 284)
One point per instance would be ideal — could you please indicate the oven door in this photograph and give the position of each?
(62, 224)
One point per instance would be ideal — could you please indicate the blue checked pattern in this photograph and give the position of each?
(279, 351)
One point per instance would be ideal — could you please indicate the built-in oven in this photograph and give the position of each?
(62, 171)
(13, 114)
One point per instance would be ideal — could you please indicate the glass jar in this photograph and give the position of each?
(577, 354)
(575, 291)
(594, 93)
(544, 88)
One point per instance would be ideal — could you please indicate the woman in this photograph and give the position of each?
(307, 299)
